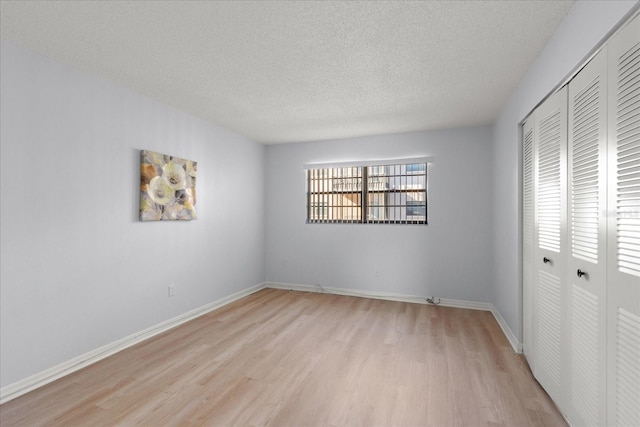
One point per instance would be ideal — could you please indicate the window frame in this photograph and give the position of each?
(315, 173)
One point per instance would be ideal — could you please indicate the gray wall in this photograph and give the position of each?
(449, 258)
(584, 27)
(78, 270)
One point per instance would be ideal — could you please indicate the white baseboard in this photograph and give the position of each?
(47, 376)
(508, 333)
(445, 302)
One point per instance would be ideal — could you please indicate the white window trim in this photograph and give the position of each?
(361, 163)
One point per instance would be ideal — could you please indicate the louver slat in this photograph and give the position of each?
(549, 198)
(584, 354)
(528, 188)
(628, 163)
(548, 324)
(585, 203)
(628, 369)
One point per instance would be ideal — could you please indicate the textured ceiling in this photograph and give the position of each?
(279, 71)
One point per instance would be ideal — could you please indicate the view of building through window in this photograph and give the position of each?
(334, 195)
(392, 194)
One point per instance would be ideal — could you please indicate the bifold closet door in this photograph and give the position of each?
(586, 277)
(623, 270)
(550, 254)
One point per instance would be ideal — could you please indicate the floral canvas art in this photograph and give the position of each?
(167, 187)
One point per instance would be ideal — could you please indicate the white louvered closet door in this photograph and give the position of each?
(528, 241)
(586, 279)
(623, 278)
(549, 263)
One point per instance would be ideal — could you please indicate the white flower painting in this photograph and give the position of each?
(167, 187)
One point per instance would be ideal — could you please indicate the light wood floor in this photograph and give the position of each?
(284, 358)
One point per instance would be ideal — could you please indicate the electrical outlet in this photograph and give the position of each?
(172, 290)
(376, 271)
(433, 300)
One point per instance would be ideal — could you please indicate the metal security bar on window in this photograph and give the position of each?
(334, 195)
(397, 194)
(383, 194)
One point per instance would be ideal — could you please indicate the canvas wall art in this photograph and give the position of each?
(167, 187)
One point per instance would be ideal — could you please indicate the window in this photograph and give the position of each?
(383, 193)
(334, 194)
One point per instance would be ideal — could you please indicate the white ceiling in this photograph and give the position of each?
(285, 71)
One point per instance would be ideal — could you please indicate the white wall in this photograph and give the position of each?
(584, 27)
(78, 270)
(449, 258)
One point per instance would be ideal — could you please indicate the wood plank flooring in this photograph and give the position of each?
(283, 358)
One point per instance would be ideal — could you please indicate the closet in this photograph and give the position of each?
(581, 238)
